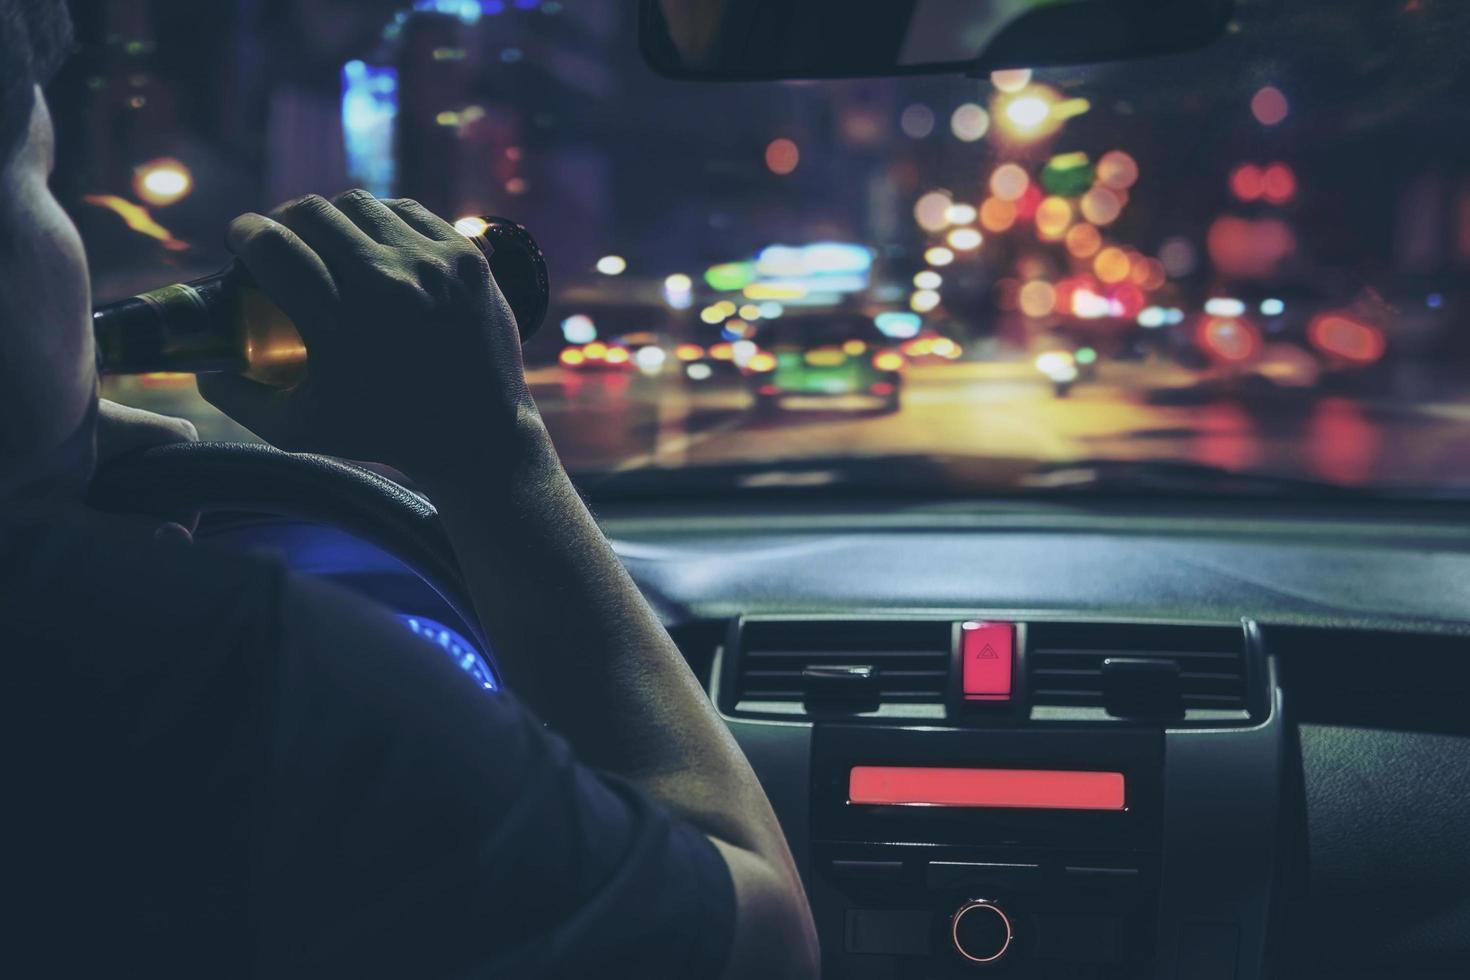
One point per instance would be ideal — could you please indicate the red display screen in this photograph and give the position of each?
(1029, 789)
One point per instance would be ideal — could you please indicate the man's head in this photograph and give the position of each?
(47, 377)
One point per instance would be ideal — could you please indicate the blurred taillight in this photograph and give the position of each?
(572, 357)
(1346, 339)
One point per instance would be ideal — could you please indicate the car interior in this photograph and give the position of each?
(1193, 709)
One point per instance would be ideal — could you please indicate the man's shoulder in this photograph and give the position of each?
(74, 576)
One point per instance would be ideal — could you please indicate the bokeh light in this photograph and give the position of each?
(959, 214)
(969, 122)
(928, 279)
(1083, 241)
(1101, 205)
(1053, 215)
(964, 239)
(1278, 183)
(163, 181)
(612, 265)
(1037, 298)
(1009, 182)
(1247, 182)
(931, 210)
(923, 300)
(782, 156)
(997, 215)
(938, 255)
(916, 121)
(1011, 79)
(1118, 170)
(1111, 265)
(1269, 106)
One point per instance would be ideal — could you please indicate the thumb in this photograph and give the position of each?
(264, 410)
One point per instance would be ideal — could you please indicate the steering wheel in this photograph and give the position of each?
(211, 477)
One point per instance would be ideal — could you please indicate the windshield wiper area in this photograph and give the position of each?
(1173, 478)
(951, 476)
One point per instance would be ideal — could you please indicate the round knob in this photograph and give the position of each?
(981, 931)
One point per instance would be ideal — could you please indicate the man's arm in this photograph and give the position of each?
(415, 362)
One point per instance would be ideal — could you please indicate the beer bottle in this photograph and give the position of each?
(225, 323)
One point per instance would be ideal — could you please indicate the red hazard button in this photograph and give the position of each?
(986, 654)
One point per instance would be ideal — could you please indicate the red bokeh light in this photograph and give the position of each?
(782, 156)
(1247, 182)
(1278, 183)
(1346, 339)
(1229, 339)
(1269, 106)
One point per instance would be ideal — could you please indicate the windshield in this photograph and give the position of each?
(1249, 258)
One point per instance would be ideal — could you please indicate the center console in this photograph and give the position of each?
(1009, 796)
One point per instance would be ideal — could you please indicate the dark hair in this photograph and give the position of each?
(35, 38)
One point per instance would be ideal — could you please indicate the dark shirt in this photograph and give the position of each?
(217, 768)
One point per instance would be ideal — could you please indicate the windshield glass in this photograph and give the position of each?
(1250, 258)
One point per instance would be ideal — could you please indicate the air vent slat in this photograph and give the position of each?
(910, 659)
(1065, 661)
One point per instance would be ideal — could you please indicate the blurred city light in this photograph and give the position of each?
(1179, 257)
(782, 156)
(678, 283)
(1272, 307)
(688, 352)
(698, 372)
(1009, 182)
(959, 214)
(923, 300)
(897, 324)
(1269, 106)
(162, 182)
(1053, 216)
(1058, 365)
(750, 311)
(997, 215)
(770, 309)
(471, 226)
(1152, 317)
(1111, 265)
(137, 218)
(1083, 241)
(888, 361)
(1231, 340)
(1037, 298)
(928, 279)
(938, 255)
(969, 122)
(1011, 79)
(1101, 205)
(1118, 170)
(964, 239)
(578, 329)
(1227, 306)
(1085, 355)
(1247, 182)
(916, 121)
(1346, 339)
(1028, 112)
(369, 115)
(1278, 183)
(572, 357)
(612, 265)
(761, 362)
(650, 359)
(931, 210)
(730, 276)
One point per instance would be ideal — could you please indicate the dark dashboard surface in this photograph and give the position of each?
(1363, 610)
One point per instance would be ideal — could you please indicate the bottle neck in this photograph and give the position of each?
(186, 327)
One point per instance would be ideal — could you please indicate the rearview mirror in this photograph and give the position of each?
(781, 39)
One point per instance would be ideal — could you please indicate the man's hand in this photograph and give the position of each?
(123, 429)
(413, 355)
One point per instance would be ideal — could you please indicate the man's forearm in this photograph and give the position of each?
(578, 643)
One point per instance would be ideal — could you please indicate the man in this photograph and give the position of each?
(216, 768)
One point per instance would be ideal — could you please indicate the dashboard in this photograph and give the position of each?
(1118, 739)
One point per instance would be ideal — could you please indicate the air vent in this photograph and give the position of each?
(1064, 663)
(775, 662)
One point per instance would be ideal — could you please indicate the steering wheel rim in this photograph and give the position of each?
(213, 477)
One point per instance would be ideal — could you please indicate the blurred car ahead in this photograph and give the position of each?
(839, 358)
